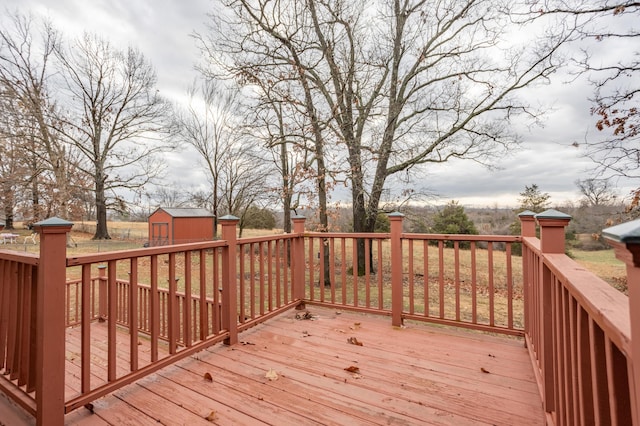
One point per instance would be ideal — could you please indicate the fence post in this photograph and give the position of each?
(230, 278)
(396, 220)
(552, 224)
(50, 323)
(297, 258)
(625, 239)
(527, 223)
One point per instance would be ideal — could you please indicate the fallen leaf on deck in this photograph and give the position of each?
(305, 334)
(101, 319)
(354, 341)
(357, 376)
(305, 316)
(484, 370)
(355, 326)
(271, 375)
(352, 369)
(492, 355)
(207, 377)
(339, 331)
(247, 343)
(211, 417)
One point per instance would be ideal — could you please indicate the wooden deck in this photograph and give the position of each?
(415, 375)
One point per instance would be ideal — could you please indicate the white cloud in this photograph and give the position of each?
(161, 28)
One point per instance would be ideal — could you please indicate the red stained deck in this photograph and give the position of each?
(419, 374)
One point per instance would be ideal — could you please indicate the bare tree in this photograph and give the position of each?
(26, 55)
(242, 180)
(210, 125)
(596, 192)
(116, 119)
(439, 81)
(275, 67)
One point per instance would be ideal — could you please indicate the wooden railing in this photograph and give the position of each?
(577, 331)
(184, 298)
(18, 315)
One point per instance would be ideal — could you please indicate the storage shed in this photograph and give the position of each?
(180, 225)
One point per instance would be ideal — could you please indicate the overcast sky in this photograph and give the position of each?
(161, 28)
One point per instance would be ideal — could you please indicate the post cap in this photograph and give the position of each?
(298, 217)
(53, 221)
(395, 214)
(626, 233)
(527, 213)
(553, 214)
(229, 217)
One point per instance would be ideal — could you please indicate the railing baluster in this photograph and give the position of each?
(269, 262)
(411, 272)
(354, 272)
(85, 324)
(277, 258)
(187, 324)
(112, 314)
(425, 281)
(456, 261)
(332, 269)
(441, 278)
(490, 266)
(474, 284)
(202, 299)
(155, 308)
(12, 335)
(343, 270)
(380, 276)
(172, 309)
(132, 313)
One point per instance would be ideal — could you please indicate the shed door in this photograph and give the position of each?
(160, 233)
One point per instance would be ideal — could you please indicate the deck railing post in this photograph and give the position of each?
(230, 278)
(50, 323)
(297, 263)
(396, 220)
(527, 223)
(625, 239)
(552, 241)
(102, 291)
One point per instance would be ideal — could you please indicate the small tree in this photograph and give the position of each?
(259, 218)
(533, 199)
(452, 219)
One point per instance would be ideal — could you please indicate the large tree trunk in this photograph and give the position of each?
(8, 208)
(102, 232)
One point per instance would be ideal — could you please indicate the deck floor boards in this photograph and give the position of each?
(415, 375)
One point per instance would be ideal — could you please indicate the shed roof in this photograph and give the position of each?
(186, 212)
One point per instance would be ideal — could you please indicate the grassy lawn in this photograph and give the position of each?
(604, 264)
(130, 235)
